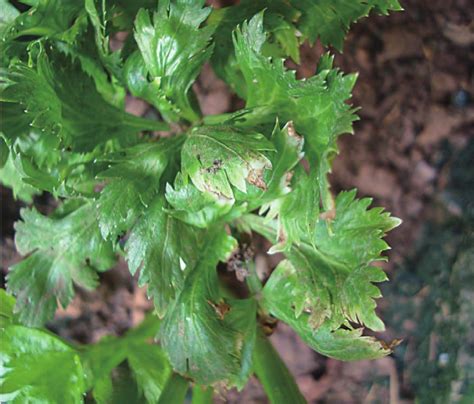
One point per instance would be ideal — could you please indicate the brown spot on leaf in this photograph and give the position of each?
(221, 308)
(216, 166)
(391, 345)
(255, 177)
(291, 130)
(238, 261)
(288, 177)
(328, 215)
(268, 323)
(281, 236)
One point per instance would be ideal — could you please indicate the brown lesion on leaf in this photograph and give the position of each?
(268, 323)
(328, 215)
(239, 260)
(290, 127)
(221, 308)
(281, 236)
(288, 177)
(390, 346)
(215, 167)
(255, 177)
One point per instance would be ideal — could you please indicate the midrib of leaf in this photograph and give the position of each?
(179, 25)
(168, 219)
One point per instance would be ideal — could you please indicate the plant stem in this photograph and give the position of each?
(202, 395)
(175, 390)
(253, 281)
(276, 379)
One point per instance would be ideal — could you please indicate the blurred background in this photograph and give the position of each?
(413, 152)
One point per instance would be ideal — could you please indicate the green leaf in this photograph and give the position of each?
(334, 264)
(150, 368)
(63, 250)
(4, 152)
(99, 20)
(296, 211)
(9, 14)
(204, 208)
(281, 297)
(206, 336)
(173, 49)
(35, 365)
(317, 106)
(279, 18)
(328, 281)
(34, 159)
(107, 74)
(133, 179)
(99, 360)
(63, 102)
(103, 390)
(147, 362)
(165, 250)
(7, 304)
(122, 13)
(218, 157)
(330, 20)
(10, 177)
(288, 146)
(288, 24)
(61, 19)
(194, 207)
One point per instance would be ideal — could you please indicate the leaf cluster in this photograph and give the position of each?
(174, 192)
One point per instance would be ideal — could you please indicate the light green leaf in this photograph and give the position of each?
(331, 276)
(217, 158)
(63, 251)
(10, 177)
(296, 211)
(280, 297)
(35, 365)
(173, 49)
(317, 106)
(289, 151)
(194, 207)
(9, 13)
(7, 304)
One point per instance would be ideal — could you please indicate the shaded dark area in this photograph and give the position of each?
(413, 152)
